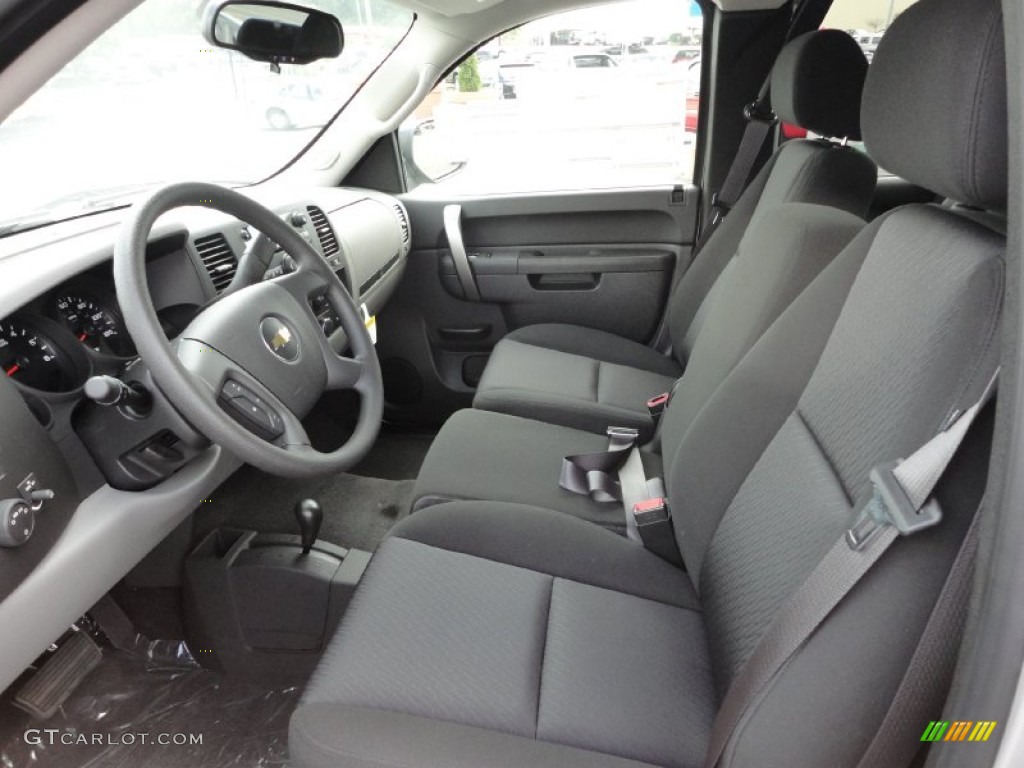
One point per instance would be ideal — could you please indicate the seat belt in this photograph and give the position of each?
(760, 120)
(614, 475)
(921, 692)
(596, 474)
(618, 475)
(901, 504)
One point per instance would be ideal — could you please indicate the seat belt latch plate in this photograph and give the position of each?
(651, 512)
(890, 505)
(657, 405)
(622, 438)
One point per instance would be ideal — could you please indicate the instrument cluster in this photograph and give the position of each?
(55, 344)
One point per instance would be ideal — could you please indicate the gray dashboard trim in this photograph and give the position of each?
(109, 533)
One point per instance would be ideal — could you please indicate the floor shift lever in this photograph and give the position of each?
(309, 515)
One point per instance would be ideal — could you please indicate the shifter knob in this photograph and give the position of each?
(309, 515)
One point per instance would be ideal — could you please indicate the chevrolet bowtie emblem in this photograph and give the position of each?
(279, 339)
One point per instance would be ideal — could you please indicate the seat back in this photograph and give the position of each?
(767, 477)
(816, 84)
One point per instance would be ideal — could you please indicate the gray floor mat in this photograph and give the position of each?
(121, 710)
(395, 456)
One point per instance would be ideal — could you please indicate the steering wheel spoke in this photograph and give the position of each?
(345, 372)
(241, 396)
(303, 284)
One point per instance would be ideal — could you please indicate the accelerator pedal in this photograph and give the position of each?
(57, 679)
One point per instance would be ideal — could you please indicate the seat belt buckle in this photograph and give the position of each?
(890, 505)
(651, 512)
(658, 404)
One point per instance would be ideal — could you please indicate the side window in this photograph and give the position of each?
(594, 98)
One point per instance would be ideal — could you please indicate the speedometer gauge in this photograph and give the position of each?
(96, 326)
(33, 359)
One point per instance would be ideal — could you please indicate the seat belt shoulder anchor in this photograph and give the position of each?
(890, 505)
(756, 112)
(719, 205)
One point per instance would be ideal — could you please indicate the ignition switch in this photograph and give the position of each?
(17, 521)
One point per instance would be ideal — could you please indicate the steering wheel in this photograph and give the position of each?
(258, 351)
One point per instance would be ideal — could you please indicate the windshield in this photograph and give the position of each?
(150, 102)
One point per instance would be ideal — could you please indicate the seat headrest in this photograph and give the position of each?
(934, 108)
(817, 82)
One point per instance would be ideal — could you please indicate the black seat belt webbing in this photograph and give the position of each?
(921, 691)
(739, 172)
(618, 475)
(760, 120)
(595, 474)
(900, 505)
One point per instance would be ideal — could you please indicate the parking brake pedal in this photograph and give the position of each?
(57, 679)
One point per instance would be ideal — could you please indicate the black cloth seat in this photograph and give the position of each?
(547, 630)
(491, 634)
(481, 454)
(588, 379)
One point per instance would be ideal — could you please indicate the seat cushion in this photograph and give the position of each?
(535, 539)
(513, 645)
(498, 457)
(327, 735)
(576, 377)
(597, 345)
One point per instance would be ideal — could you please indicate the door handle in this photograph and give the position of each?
(453, 230)
(476, 333)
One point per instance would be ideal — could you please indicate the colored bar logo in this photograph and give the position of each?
(959, 730)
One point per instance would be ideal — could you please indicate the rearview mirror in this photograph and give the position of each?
(273, 32)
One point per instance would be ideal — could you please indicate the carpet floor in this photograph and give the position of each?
(359, 506)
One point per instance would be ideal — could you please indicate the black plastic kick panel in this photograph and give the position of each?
(256, 606)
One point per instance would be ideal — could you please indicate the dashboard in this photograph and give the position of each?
(110, 486)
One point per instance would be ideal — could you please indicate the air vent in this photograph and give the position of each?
(404, 222)
(324, 232)
(218, 258)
